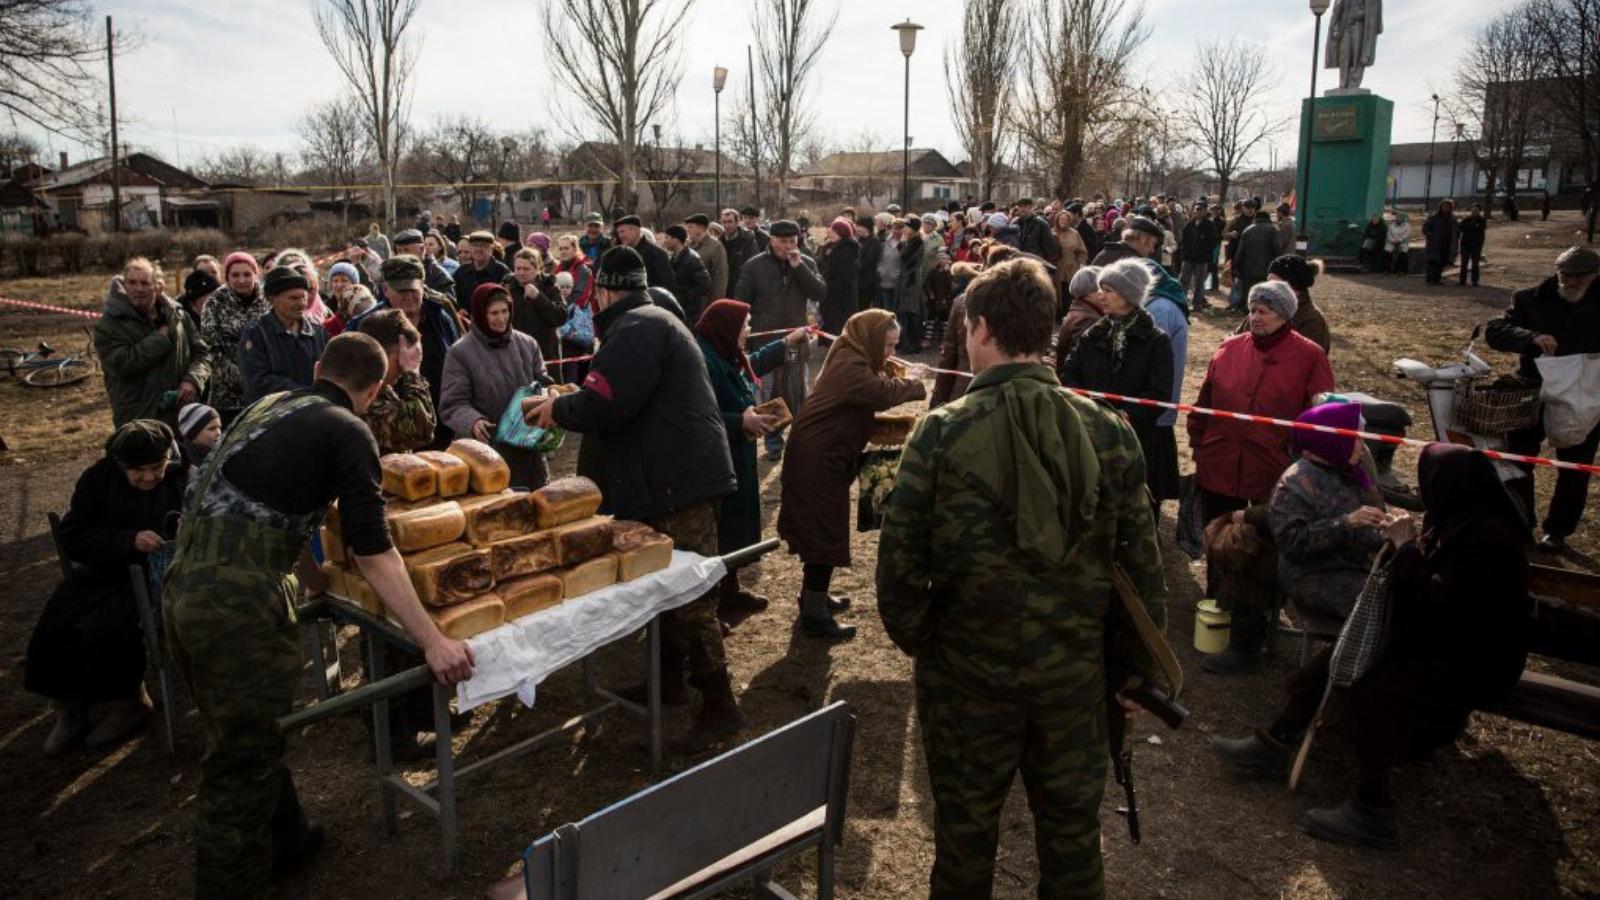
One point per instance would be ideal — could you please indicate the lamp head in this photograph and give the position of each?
(719, 78)
(908, 36)
(1318, 7)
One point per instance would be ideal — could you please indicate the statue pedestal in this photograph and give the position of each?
(1348, 140)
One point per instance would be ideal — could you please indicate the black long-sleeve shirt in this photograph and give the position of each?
(313, 457)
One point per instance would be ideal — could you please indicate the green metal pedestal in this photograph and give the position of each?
(1349, 169)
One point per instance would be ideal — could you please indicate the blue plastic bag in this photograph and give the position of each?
(579, 326)
(514, 432)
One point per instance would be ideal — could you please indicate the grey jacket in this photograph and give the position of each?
(715, 256)
(479, 380)
(778, 292)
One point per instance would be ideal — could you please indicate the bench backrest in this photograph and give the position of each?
(672, 830)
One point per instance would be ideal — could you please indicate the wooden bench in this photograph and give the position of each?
(1566, 626)
(721, 825)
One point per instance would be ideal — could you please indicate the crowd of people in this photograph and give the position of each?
(270, 386)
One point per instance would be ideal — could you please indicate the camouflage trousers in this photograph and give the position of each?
(975, 741)
(230, 634)
(692, 630)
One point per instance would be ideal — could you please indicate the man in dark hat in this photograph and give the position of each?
(740, 245)
(1034, 232)
(657, 265)
(783, 287)
(478, 267)
(711, 253)
(661, 457)
(1141, 237)
(1258, 247)
(278, 351)
(750, 217)
(1559, 317)
(434, 275)
(689, 271)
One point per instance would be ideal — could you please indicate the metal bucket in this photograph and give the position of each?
(1212, 627)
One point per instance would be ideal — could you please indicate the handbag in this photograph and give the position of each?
(514, 431)
(579, 326)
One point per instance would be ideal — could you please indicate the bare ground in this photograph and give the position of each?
(1509, 812)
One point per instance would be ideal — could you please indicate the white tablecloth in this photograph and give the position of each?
(515, 657)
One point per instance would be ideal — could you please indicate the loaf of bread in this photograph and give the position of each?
(472, 501)
(529, 594)
(335, 574)
(406, 476)
(640, 550)
(450, 574)
(489, 473)
(588, 577)
(470, 617)
(583, 540)
(560, 389)
(455, 476)
(566, 500)
(523, 555)
(889, 429)
(332, 542)
(430, 526)
(776, 407)
(507, 516)
(361, 593)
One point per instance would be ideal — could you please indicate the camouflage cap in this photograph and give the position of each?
(401, 270)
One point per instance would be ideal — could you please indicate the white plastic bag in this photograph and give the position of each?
(1571, 395)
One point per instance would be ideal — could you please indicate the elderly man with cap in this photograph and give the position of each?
(1140, 237)
(1196, 247)
(1558, 317)
(279, 350)
(480, 267)
(404, 290)
(239, 302)
(153, 357)
(712, 253)
(657, 265)
(782, 285)
(594, 242)
(434, 276)
(739, 243)
(1033, 232)
(750, 218)
(689, 271)
(661, 457)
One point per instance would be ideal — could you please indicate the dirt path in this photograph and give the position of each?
(1509, 812)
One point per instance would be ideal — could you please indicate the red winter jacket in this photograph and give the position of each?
(1244, 459)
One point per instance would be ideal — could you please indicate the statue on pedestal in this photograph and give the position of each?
(1353, 30)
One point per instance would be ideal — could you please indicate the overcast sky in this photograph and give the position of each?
(229, 72)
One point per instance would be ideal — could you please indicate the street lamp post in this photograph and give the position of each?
(908, 43)
(1427, 177)
(1455, 156)
(719, 79)
(1302, 241)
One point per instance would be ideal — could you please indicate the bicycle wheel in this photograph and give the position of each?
(59, 374)
(10, 357)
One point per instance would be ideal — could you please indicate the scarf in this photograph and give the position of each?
(1333, 449)
(484, 295)
(1459, 488)
(864, 335)
(1272, 340)
(1118, 329)
(720, 325)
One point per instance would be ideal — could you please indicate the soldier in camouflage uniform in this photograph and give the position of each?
(402, 417)
(994, 573)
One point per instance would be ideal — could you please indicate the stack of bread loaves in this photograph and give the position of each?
(480, 554)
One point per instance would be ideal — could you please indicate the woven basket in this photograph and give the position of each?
(1496, 409)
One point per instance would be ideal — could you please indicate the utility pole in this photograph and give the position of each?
(755, 130)
(116, 174)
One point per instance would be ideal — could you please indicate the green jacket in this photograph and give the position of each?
(140, 363)
(995, 556)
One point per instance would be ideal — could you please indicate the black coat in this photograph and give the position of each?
(1439, 234)
(1091, 238)
(840, 269)
(1199, 241)
(1145, 371)
(467, 280)
(867, 271)
(657, 266)
(694, 283)
(541, 316)
(1033, 234)
(1258, 247)
(1540, 310)
(648, 407)
(741, 246)
(1472, 229)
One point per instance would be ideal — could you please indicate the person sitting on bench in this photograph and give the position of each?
(1457, 638)
(88, 647)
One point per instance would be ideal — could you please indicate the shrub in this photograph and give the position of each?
(26, 254)
(71, 248)
(191, 242)
(317, 236)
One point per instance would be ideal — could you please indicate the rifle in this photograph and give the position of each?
(1162, 705)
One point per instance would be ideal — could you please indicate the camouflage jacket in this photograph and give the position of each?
(402, 417)
(995, 556)
(225, 319)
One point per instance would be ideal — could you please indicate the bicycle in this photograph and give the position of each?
(42, 368)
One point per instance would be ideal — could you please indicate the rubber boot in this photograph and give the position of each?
(72, 723)
(817, 621)
(1354, 822)
(1245, 644)
(719, 716)
(674, 691)
(1256, 754)
(123, 719)
(838, 604)
(734, 602)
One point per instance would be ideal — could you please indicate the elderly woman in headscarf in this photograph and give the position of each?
(858, 379)
(1457, 639)
(841, 254)
(87, 649)
(482, 372)
(1126, 353)
(722, 331)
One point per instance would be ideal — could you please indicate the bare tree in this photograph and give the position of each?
(17, 150)
(789, 39)
(1495, 94)
(461, 152)
(245, 164)
(979, 74)
(334, 148)
(1567, 33)
(51, 60)
(749, 139)
(668, 168)
(1223, 106)
(872, 166)
(619, 59)
(1075, 64)
(367, 40)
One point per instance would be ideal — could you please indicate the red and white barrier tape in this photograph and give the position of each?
(45, 307)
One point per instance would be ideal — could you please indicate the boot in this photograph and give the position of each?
(838, 604)
(124, 718)
(735, 602)
(816, 619)
(1256, 754)
(719, 714)
(72, 723)
(414, 747)
(1354, 822)
(674, 692)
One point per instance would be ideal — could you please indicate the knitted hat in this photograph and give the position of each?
(509, 231)
(1298, 271)
(1085, 282)
(1578, 261)
(541, 240)
(193, 419)
(678, 232)
(239, 256)
(843, 227)
(1276, 296)
(621, 269)
(997, 221)
(283, 278)
(402, 271)
(140, 443)
(408, 237)
(346, 269)
(199, 284)
(1128, 278)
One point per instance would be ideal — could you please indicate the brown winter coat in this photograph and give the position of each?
(826, 441)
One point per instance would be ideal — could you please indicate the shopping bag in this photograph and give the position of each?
(1571, 395)
(514, 431)
(579, 326)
